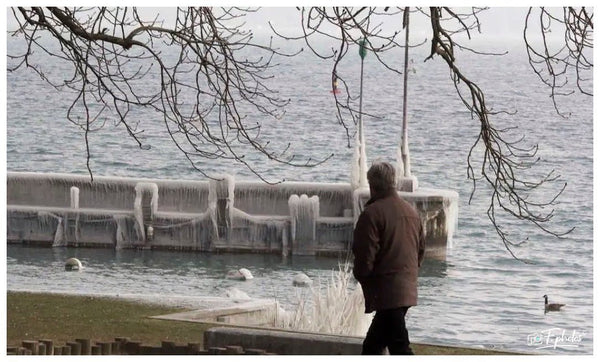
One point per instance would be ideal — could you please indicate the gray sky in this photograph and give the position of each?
(497, 22)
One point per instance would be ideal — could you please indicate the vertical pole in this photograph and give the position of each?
(362, 178)
(360, 124)
(404, 147)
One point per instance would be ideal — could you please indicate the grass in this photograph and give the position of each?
(62, 318)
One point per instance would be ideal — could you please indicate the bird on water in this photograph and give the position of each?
(551, 307)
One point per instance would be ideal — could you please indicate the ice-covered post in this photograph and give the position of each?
(74, 197)
(304, 212)
(359, 160)
(144, 207)
(220, 198)
(404, 179)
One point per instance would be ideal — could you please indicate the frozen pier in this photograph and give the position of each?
(223, 215)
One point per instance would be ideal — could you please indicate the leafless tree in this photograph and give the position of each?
(555, 63)
(346, 27)
(211, 73)
(205, 90)
(504, 160)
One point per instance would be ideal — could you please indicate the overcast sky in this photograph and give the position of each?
(497, 22)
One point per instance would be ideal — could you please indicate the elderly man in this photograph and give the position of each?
(388, 250)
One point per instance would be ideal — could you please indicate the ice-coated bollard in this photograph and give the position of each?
(145, 207)
(74, 197)
(304, 212)
(221, 196)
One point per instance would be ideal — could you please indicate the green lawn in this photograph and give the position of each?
(62, 318)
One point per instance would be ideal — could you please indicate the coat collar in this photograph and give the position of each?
(381, 195)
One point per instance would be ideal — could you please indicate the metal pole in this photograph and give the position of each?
(362, 179)
(404, 147)
(360, 124)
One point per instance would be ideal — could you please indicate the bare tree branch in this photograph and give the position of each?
(556, 62)
(213, 75)
(204, 95)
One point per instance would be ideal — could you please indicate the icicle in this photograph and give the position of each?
(355, 170)
(363, 162)
(221, 196)
(59, 235)
(304, 212)
(451, 211)
(293, 202)
(138, 207)
(406, 154)
(399, 166)
(358, 175)
(74, 197)
(119, 239)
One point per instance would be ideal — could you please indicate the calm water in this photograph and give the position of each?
(479, 296)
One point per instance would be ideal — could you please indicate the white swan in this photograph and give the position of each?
(240, 274)
(302, 280)
(73, 264)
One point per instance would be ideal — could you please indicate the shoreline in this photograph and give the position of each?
(34, 316)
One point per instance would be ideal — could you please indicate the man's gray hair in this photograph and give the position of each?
(382, 176)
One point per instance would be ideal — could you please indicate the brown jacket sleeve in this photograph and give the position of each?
(365, 246)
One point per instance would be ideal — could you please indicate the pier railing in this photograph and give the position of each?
(218, 215)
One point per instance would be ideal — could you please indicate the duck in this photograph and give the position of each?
(551, 307)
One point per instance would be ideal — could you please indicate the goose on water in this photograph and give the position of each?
(551, 307)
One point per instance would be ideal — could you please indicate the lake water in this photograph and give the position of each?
(480, 296)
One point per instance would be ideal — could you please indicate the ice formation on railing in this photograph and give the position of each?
(74, 197)
(200, 215)
(304, 212)
(358, 173)
(141, 203)
(220, 201)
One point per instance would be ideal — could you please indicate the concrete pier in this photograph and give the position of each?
(293, 218)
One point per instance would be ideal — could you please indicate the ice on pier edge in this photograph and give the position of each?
(186, 210)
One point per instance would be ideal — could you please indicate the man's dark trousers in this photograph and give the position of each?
(388, 329)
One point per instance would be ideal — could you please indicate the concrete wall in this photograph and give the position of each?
(283, 342)
(217, 215)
